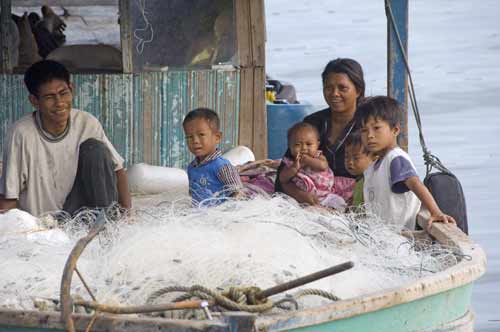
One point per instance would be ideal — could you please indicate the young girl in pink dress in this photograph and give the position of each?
(308, 168)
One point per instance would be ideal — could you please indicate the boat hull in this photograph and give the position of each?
(440, 302)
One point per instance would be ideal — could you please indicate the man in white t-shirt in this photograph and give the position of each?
(59, 158)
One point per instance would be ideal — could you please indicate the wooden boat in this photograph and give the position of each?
(440, 302)
(141, 123)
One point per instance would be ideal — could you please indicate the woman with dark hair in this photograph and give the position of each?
(343, 89)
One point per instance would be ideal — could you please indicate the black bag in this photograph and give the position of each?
(449, 196)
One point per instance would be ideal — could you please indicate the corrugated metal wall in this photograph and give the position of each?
(142, 114)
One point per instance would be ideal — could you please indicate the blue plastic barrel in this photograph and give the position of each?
(280, 117)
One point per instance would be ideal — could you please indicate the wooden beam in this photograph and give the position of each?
(245, 132)
(126, 36)
(257, 30)
(79, 3)
(243, 40)
(259, 114)
(250, 41)
(397, 77)
(4, 36)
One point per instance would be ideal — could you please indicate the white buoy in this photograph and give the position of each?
(148, 179)
(16, 221)
(16, 224)
(239, 155)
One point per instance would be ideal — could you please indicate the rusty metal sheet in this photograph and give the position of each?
(141, 113)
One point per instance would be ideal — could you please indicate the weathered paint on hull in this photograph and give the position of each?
(447, 311)
(433, 313)
(439, 303)
(141, 113)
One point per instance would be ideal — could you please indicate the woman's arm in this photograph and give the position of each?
(288, 172)
(319, 164)
(300, 196)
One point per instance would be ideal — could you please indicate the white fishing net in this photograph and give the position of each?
(260, 242)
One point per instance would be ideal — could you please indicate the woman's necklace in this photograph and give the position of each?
(333, 152)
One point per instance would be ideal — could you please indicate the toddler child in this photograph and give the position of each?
(357, 159)
(212, 178)
(308, 168)
(392, 187)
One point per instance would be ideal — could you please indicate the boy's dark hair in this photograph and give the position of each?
(301, 125)
(204, 113)
(42, 72)
(354, 140)
(351, 68)
(379, 107)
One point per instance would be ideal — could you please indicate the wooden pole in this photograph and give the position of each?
(250, 41)
(4, 36)
(126, 35)
(305, 280)
(397, 77)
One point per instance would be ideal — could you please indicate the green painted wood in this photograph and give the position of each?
(432, 313)
(141, 113)
(426, 314)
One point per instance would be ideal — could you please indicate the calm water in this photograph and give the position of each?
(455, 59)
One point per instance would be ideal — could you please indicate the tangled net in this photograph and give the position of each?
(260, 242)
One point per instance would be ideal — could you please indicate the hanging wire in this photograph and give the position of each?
(141, 42)
(429, 159)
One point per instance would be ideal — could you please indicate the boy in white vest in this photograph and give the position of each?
(392, 188)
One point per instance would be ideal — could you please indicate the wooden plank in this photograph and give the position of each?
(259, 145)
(243, 39)
(115, 323)
(80, 3)
(126, 36)
(243, 46)
(446, 234)
(258, 37)
(456, 279)
(4, 36)
(147, 119)
(251, 49)
(245, 135)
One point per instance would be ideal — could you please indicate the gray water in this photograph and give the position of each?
(454, 52)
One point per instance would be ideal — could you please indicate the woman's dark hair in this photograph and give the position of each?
(351, 68)
(42, 72)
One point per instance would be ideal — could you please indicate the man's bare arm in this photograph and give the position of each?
(7, 204)
(122, 186)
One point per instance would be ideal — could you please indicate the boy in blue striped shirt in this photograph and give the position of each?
(212, 178)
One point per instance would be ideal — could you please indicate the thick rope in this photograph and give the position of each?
(240, 298)
(234, 299)
(316, 292)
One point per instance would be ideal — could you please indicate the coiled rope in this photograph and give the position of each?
(238, 298)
